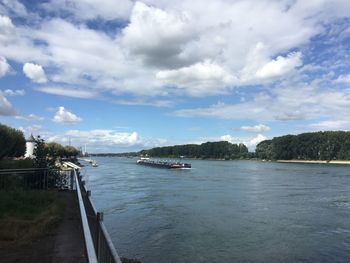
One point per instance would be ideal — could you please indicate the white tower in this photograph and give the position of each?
(30, 145)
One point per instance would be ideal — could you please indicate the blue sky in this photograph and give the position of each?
(127, 75)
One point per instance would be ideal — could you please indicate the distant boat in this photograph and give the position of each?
(163, 164)
(94, 164)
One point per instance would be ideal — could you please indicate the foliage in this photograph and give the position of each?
(54, 149)
(57, 150)
(12, 142)
(215, 150)
(40, 153)
(70, 151)
(46, 153)
(329, 145)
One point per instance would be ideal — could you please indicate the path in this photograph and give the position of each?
(65, 245)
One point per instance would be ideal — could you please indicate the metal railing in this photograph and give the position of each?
(98, 244)
(102, 245)
(35, 178)
(89, 245)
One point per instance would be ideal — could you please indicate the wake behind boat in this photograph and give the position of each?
(163, 164)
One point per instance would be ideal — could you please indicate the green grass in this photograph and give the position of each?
(26, 215)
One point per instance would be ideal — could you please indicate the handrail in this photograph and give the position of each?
(114, 257)
(91, 254)
(110, 244)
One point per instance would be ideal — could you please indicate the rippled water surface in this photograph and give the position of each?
(225, 211)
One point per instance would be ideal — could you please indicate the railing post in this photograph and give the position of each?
(43, 180)
(71, 180)
(99, 217)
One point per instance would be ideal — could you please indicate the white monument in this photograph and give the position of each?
(30, 145)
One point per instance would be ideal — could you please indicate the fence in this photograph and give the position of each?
(102, 243)
(35, 178)
(99, 246)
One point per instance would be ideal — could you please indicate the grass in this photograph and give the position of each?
(27, 215)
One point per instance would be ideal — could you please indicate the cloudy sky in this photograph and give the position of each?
(120, 75)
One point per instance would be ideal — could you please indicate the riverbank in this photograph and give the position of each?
(315, 161)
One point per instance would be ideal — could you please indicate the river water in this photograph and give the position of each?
(224, 211)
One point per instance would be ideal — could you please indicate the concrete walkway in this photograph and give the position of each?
(69, 241)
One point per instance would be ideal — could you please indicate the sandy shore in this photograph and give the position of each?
(314, 161)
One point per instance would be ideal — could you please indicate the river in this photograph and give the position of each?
(224, 211)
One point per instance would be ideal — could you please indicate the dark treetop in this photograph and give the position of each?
(329, 145)
(208, 150)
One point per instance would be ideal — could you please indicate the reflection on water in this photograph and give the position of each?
(225, 211)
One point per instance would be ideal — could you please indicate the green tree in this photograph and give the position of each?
(40, 153)
(215, 150)
(12, 142)
(327, 145)
(55, 149)
(70, 151)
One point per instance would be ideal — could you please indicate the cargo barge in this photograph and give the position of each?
(163, 164)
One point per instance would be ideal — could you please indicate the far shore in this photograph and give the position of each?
(315, 161)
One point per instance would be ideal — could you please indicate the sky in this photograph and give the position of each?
(122, 75)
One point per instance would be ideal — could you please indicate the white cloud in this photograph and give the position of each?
(166, 32)
(198, 79)
(343, 79)
(69, 92)
(35, 72)
(10, 92)
(30, 117)
(104, 137)
(4, 66)
(260, 68)
(290, 101)
(250, 142)
(280, 66)
(228, 138)
(6, 108)
(17, 43)
(64, 116)
(163, 39)
(255, 128)
(31, 129)
(331, 125)
(7, 29)
(143, 102)
(256, 140)
(13, 6)
(104, 140)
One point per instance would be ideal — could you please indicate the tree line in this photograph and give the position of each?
(209, 150)
(13, 144)
(54, 149)
(328, 145)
